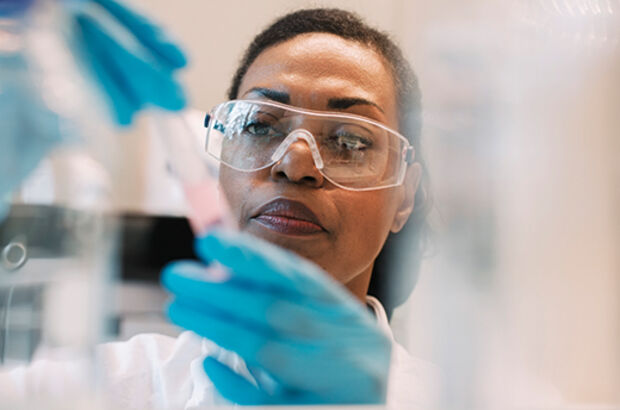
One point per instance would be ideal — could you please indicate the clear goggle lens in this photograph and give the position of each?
(350, 151)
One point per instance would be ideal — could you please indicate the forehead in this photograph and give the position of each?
(314, 67)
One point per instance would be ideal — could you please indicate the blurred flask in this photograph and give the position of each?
(57, 252)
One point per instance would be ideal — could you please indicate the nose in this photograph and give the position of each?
(297, 165)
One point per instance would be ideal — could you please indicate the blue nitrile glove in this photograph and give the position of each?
(29, 129)
(134, 65)
(12, 7)
(134, 62)
(285, 317)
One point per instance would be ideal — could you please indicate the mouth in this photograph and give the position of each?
(288, 217)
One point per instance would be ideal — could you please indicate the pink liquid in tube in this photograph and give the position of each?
(207, 206)
(186, 158)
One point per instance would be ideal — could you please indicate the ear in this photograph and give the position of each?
(410, 186)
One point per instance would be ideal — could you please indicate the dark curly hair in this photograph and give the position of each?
(391, 282)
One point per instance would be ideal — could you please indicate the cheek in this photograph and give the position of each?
(236, 187)
(366, 220)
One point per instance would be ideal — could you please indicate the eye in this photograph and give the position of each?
(261, 124)
(259, 129)
(349, 141)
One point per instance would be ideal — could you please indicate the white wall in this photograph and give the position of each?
(215, 33)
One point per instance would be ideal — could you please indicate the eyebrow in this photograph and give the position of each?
(333, 103)
(279, 96)
(344, 103)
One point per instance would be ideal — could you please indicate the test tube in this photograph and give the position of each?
(207, 206)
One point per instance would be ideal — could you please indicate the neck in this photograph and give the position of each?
(358, 286)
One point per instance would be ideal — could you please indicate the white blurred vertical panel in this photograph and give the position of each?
(559, 233)
(523, 136)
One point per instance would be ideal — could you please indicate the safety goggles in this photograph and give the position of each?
(352, 152)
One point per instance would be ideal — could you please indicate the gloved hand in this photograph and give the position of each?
(285, 317)
(12, 7)
(29, 128)
(133, 60)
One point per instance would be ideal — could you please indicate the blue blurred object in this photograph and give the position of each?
(286, 318)
(133, 72)
(29, 128)
(13, 7)
(133, 61)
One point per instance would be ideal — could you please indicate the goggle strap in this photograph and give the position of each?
(409, 155)
(218, 126)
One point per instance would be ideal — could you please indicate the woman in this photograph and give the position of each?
(312, 162)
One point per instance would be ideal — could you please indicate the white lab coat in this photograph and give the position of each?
(156, 371)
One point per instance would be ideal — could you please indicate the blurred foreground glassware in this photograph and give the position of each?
(57, 238)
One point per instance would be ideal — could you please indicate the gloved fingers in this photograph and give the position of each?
(118, 92)
(187, 277)
(232, 386)
(192, 284)
(313, 367)
(154, 86)
(318, 320)
(227, 333)
(254, 307)
(280, 358)
(319, 368)
(142, 80)
(235, 388)
(353, 356)
(247, 313)
(150, 35)
(247, 259)
(264, 264)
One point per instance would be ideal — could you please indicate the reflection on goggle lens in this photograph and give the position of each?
(350, 151)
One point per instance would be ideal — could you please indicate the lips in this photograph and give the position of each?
(288, 217)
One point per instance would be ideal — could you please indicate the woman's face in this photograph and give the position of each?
(291, 204)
